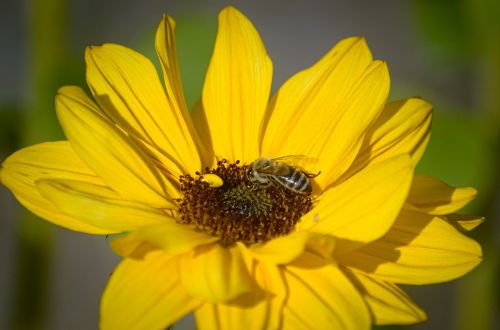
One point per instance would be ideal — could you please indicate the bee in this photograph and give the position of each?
(267, 170)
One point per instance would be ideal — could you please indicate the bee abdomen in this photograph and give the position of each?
(296, 181)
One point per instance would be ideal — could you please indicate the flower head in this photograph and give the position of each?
(296, 211)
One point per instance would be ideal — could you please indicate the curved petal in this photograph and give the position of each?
(126, 86)
(323, 112)
(364, 207)
(167, 52)
(145, 294)
(171, 237)
(464, 222)
(285, 249)
(267, 314)
(48, 160)
(322, 298)
(402, 127)
(388, 304)
(237, 87)
(200, 122)
(228, 317)
(166, 49)
(215, 273)
(97, 205)
(434, 196)
(419, 249)
(207, 318)
(109, 152)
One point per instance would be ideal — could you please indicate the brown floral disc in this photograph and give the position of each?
(240, 210)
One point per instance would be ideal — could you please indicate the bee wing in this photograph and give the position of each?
(301, 162)
(296, 159)
(282, 170)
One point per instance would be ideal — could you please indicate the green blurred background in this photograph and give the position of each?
(445, 51)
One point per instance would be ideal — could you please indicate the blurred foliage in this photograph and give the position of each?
(459, 151)
(459, 29)
(194, 55)
(48, 49)
(443, 23)
(10, 135)
(467, 33)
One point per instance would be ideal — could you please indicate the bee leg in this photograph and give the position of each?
(311, 175)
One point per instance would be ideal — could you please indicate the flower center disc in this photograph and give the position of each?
(240, 210)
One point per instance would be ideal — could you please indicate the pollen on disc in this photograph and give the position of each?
(213, 180)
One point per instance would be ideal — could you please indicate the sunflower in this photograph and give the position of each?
(212, 217)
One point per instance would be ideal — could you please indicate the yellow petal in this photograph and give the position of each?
(49, 160)
(364, 207)
(171, 237)
(464, 222)
(166, 49)
(167, 52)
(126, 86)
(228, 317)
(145, 294)
(434, 196)
(322, 298)
(237, 87)
(324, 111)
(207, 317)
(200, 122)
(285, 249)
(403, 127)
(215, 273)
(109, 152)
(388, 304)
(98, 206)
(131, 249)
(264, 315)
(419, 249)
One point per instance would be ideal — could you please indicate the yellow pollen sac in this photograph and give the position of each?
(213, 180)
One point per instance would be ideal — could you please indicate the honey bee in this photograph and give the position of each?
(267, 170)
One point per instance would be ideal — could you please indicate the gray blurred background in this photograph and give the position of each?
(445, 51)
